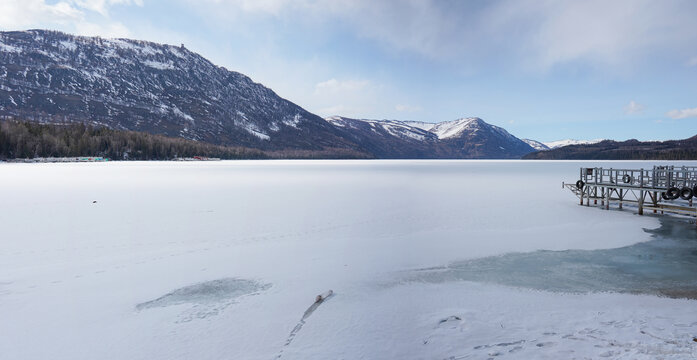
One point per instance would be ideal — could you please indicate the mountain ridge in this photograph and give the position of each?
(685, 149)
(50, 76)
(470, 138)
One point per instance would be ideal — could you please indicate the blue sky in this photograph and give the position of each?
(542, 69)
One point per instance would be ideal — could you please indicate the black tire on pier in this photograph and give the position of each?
(694, 190)
(664, 196)
(626, 179)
(686, 193)
(673, 193)
(580, 184)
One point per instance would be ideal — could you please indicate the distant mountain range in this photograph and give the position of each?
(53, 77)
(470, 138)
(623, 150)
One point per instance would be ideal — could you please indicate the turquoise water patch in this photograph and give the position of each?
(665, 265)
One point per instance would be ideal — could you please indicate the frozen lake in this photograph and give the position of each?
(427, 259)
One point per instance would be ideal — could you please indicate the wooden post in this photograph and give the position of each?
(641, 202)
(607, 199)
(621, 199)
(588, 198)
(595, 193)
(654, 199)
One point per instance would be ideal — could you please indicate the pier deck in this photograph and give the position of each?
(664, 189)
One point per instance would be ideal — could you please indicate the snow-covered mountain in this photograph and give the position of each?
(53, 77)
(136, 85)
(536, 144)
(461, 138)
(396, 128)
(566, 142)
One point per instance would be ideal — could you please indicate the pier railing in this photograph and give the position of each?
(664, 189)
(660, 177)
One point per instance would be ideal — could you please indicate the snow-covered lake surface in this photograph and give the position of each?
(427, 260)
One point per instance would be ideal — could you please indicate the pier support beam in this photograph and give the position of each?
(641, 202)
(607, 198)
(621, 198)
(654, 200)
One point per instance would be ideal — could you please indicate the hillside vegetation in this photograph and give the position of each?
(27, 140)
(623, 150)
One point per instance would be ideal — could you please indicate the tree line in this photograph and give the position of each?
(626, 150)
(28, 140)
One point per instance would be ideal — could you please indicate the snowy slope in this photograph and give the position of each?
(396, 128)
(566, 142)
(448, 129)
(536, 144)
(461, 138)
(137, 85)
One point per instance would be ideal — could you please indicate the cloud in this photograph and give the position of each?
(532, 33)
(407, 108)
(633, 108)
(102, 6)
(692, 62)
(682, 114)
(83, 17)
(336, 86)
(347, 97)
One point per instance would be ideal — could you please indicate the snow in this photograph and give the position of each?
(566, 142)
(182, 114)
(421, 125)
(9, 48)
(535, 144)
(159, 65)
(254, 130)
(396, 128)
(68, 45)
(221, 259)
(294, 121)
(449, 129)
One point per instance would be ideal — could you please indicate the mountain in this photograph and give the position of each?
(53, 77)
(473, 138)
(466, 138)
(389, 139)
(623, 150)
(567, 142)
(536, 144)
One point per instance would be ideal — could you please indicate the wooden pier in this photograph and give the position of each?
(664, 189)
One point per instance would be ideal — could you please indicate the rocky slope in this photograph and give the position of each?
(50, 76)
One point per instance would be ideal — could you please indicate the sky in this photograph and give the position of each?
(542, 69)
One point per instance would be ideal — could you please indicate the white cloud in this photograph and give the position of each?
(336, 86)
(83, 17)
(633, 108)
(347, 97)
(682, 114)
(102, 6)
(533, 33)
(407, 108)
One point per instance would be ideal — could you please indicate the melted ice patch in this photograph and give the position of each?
(663, 266)
(207, 298)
